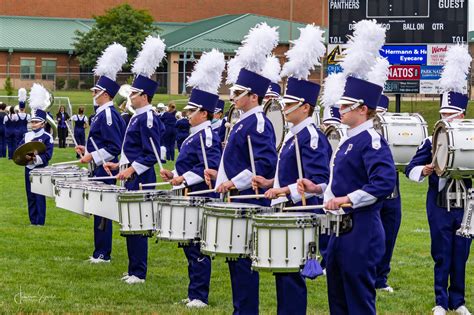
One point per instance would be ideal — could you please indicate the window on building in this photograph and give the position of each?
(27, 69)
(48, 69)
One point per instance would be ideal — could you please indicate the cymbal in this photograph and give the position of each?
(19, 156)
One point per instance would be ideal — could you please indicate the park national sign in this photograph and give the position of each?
(419, 33)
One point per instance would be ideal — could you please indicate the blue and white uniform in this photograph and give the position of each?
(137, 152)
(448, 250)
(10, 133)
(182, 131)
(22, 125)
(190, 165)
(80, 122)
(107, 129)
(37, 203)
(169, 137)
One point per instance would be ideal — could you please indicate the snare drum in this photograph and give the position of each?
(102, 201)
(179, 218)
(69, 175)
(281, 241)
(227, 228)
(40, 179)
(404, 132)
(70, 195)
(334, 134)
(274, 111)
(138, 211)
(456, 148)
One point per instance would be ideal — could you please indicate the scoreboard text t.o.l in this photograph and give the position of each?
(407, 21)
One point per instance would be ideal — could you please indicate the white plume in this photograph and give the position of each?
(363, 48)
(233, 69)
(271, 69)
(111, 61)
(256, 46)
(379, 72)
(306, 53)
(207, 73)
(149, 58)
(333, 89)
(22, 95)
(39, 97)
(456, 69)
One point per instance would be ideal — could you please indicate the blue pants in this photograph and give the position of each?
(450, 253)
(36, 203)
(170, 152)
(3, 143)
(11, 144)
(291, 293)
(137, 245)
(351, 264)
(391, 215)
(103, 237)
(80, 137)
(199, 272)
(245, 284)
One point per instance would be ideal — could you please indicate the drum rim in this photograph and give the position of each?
(442, 125)
(108, 189)
(266, 106)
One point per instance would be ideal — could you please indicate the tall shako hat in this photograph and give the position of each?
(303, 57)
(108, 65)
(453, 80)
(148, 59)
(271, 70)
(245, 69)
(39, 100)
(205, 81)
(219, 106)
(379, 75)
(22, 97)
(363, 49)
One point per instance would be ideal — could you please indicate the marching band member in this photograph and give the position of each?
(107, 131)
(190, 165)
(62, 117)
(10, 130)
(169, 137)
(449, 251)
(39, 99)
(234, 174)
(23, 117)
(365, 158)
(3, 142)
(80, 125)
(217, 119)
(182, 128)
(138, 157)
(300, 99)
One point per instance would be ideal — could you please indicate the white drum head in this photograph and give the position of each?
(274, 113)
(441, 139)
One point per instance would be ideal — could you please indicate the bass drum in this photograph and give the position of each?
(404, 132)
(334, 134)
(455, 148)
(273, 109)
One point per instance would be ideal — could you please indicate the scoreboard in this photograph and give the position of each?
(406, 21)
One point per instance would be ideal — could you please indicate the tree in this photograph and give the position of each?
(122, 24)
(8, 86)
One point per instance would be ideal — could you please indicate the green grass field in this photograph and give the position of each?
(44, 269)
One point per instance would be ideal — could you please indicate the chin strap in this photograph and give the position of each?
(453, 116)
(97, 96)
(351, 108)
(291, 110)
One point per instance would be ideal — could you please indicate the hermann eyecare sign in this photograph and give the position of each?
(419, 33)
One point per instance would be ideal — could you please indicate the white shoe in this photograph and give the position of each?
(98, 260)
(438, 310)
(185, 301)
(125, 276)
(324, 271)
(462, 310)
(388, 289)
(134, 280)
(196, 304)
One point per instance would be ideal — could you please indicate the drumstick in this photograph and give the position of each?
(300, 169)
(100, 155)
(252, 160)
(252, 196)
(158, 159)
(200, 192)
(313, 207)
(100, 178)
(66, 163)
(155, 184)
(73, 138)
(204, 155)
(435, 154)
